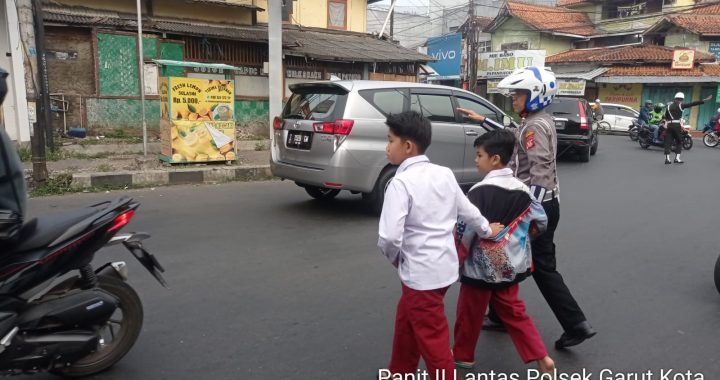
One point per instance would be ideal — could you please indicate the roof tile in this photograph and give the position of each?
(623, 54)
(315, 43)
(653, 71)
(705, 24)
(552, 19)
(570, 3)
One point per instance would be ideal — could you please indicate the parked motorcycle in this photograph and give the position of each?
(57, 312)
(645, 138)
(711, 135)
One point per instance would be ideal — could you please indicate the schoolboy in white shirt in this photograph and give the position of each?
(421, 207)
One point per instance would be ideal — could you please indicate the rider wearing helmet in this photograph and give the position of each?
(532, 89)
(12, 182)
(656, 116)
(710, 126)
(644, 117)
(673, 116)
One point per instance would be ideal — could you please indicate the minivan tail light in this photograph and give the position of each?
(583, 116)
(337, 127)
(277, 123)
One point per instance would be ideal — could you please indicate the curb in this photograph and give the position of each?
(146, 178)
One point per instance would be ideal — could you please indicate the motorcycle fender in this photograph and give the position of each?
(117, 269)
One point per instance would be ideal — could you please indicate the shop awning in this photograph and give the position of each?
(219, 66)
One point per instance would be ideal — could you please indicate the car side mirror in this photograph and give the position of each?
(507, 121)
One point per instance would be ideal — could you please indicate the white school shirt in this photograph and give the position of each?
(422, 205)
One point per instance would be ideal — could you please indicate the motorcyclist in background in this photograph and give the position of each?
(644, 118)
(656, 116)
(710, 126)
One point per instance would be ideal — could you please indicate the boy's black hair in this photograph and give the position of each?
(411, 125)
(498, 141)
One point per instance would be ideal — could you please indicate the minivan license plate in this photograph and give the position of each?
(299, 140)
(559, 124)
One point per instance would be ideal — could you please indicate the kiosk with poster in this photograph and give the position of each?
(197, 120)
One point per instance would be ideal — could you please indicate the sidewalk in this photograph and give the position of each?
(118, 165)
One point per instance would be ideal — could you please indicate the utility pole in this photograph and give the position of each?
(275, 64)
(392, 23)
(387, 18)
(473, 56)
(26, 20)
(141, 74)
(43, 76)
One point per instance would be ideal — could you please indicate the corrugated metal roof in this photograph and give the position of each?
(225, 3)
(321, 44)
(588, 75)
(332, 45)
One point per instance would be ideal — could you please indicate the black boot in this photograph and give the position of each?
(490, 324)
(577, 335)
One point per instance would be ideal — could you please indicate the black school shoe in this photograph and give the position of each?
(667, 161)
(580, 333)
(490, 324)
(679, 161)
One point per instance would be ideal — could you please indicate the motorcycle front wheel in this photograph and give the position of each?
(644, 143)
(118, 334)
(711, 140)
(687, 142)
(633, 134)
(717, 274)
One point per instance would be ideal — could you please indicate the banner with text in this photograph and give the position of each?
(501, 64)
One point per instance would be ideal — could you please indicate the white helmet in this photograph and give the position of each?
(718, 110)
(538, 81)
(679, 95)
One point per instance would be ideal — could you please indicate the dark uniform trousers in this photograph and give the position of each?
(548, 279)
(674, 133)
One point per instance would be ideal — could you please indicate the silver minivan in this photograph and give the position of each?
(332, 136)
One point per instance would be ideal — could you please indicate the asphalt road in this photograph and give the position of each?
(268, 284)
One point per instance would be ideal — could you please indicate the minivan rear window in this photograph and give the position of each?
(564, 108)
(387, 101)
(315, 105)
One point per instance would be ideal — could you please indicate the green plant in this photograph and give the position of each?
(25, 154)
(54, 155)
(105, 168)
(259, 146)
(60, 184)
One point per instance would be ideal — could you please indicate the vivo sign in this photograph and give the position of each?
(447, 52)
(443, 55)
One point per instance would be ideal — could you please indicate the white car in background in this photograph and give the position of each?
(620, 117)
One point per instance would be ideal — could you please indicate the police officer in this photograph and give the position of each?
(531, 90)
(673, 116)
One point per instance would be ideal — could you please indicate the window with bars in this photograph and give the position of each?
(337, 14)
(484, 46)
(515, 46)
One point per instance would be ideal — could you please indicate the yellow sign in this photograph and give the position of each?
(626, 94)
(197, 122)
(683, 59)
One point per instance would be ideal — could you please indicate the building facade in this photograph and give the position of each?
(94, 71)
(14, 113)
